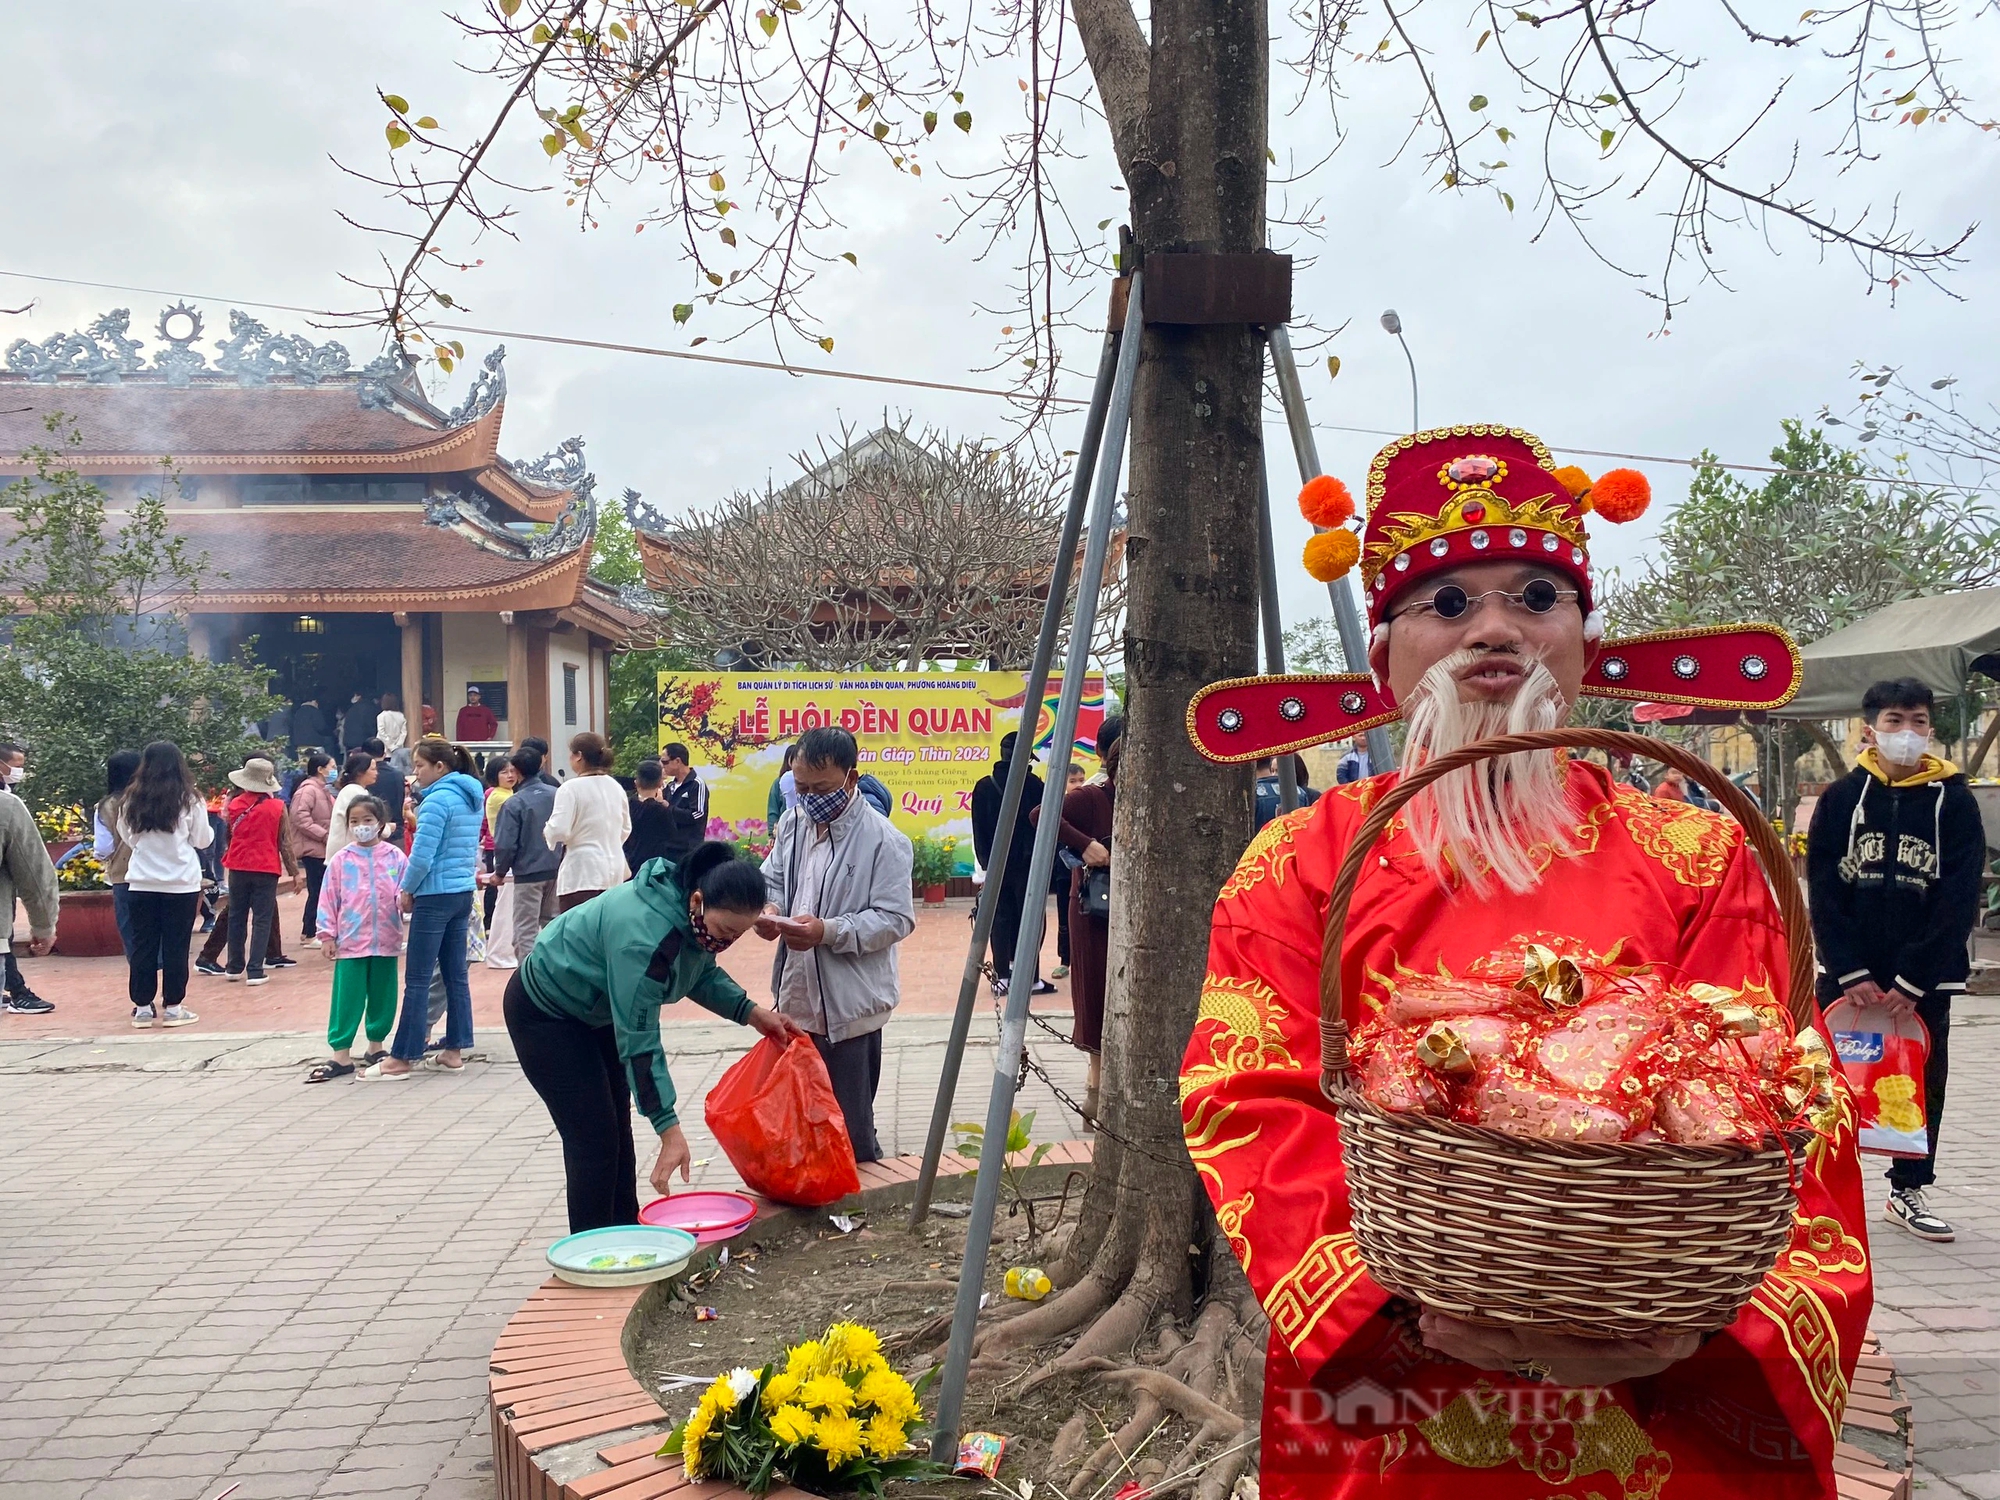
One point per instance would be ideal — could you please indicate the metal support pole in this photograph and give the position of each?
(1000, 1104)
(1346, 617)
(1274, 634)
(1017, 774)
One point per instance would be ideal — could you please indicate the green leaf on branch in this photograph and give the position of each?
(616, 30)
(397, 102)
(552, 144)
(398, 137)
(768, 21)
(827, 345)
(713, 278)
(1333, 367)
(963, 120)
(683, 311)
(879, 130)
(1478, 102)
(541, 35)
(930, 121)
(863, 102)
(849, 257)
(444, 300)
(428, 122)
(728, 238)
(1504, 133)
(1484, 38)
(508, 7)
(1605, 138)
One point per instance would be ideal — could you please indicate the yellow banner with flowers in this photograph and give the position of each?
(928, 737)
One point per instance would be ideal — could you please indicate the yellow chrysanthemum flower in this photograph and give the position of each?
(721, 1396)
(805, 1360)
(692, 1437)
(793, 1424)
(827, 1392)
(850, 1345)
(781, 1388)
(882, 1388)
(840, 1438)
(886, 1438)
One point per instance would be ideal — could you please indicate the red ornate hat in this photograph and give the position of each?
(1453, 495)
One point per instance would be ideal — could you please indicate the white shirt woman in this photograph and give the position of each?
(590, 822)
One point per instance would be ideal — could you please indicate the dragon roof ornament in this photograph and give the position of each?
(105, 353)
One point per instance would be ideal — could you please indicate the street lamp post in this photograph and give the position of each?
(1393, 324)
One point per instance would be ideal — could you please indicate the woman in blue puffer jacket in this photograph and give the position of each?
(437, 896)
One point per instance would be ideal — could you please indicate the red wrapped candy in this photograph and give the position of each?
(1569, 1046)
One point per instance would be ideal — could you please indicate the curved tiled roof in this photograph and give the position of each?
(227, 428)
(367, 558)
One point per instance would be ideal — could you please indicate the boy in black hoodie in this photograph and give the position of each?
(1893, 862)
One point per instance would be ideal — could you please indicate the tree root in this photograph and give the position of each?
(1068, 1446)
(1058, 1315)
(1173, 1394)
(1118, 1450)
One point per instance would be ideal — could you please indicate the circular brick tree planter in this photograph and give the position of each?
(568, 1418)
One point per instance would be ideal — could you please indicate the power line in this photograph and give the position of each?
(566, 341)
(656, 352)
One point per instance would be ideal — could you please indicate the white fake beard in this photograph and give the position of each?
(1487, 820)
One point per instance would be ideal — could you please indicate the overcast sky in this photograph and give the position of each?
(187, 147)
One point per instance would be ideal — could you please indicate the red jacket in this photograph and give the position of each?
(255, 822)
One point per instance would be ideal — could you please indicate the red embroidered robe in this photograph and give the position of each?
(1354, 1404)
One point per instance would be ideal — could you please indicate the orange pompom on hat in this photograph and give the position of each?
(1325, 502)
(1455, 495)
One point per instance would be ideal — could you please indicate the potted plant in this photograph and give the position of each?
(62, 829)
(87, 921)
(931, 864)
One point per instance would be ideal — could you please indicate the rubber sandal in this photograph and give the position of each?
(327, 1071)
(372, 1058)
(373, 1074)
(1042, 987)
(436, 1064)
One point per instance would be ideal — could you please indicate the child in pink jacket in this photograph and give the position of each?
(361, 930)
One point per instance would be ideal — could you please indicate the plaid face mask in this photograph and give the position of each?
(825, 807)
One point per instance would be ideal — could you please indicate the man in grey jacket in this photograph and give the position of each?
(520, 850)
(25, 873)
(838, 878)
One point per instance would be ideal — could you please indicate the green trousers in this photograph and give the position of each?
(362, 985)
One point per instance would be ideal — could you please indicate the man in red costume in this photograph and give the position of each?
(1479, 592)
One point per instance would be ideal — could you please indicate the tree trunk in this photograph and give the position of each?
(1190, 133)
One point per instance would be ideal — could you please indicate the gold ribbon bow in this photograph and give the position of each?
(1557, 980)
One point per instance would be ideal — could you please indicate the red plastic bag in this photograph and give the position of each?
(774, 1114)
(1882, 1050)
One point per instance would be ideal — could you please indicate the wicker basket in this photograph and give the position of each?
(1594, 1239)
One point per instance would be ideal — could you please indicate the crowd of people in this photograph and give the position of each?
(416, 862)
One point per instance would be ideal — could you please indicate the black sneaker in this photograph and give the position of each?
(25, 1004)
(1906, 1207)
(214, 971)
(281, 963)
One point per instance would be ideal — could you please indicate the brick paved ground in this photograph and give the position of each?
(210, 1273)
(89, 993)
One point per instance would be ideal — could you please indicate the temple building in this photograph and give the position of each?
(358, 538)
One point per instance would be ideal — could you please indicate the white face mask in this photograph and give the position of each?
(1902, 747)
(16, 775)
(367, 833)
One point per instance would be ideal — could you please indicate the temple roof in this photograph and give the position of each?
(371, 559)
(224, 428)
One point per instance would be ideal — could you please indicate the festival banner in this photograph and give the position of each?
(927, 736)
